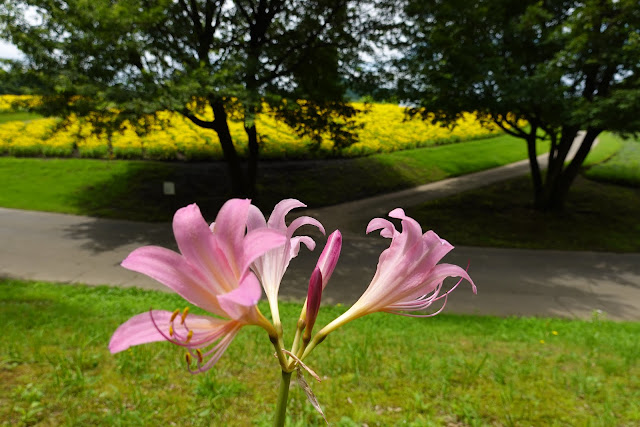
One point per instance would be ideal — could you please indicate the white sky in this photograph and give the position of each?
(9, 51)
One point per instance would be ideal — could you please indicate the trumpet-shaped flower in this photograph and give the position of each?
(271, 266)
(408, 277)
(212, 272)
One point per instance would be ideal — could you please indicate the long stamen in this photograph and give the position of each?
(155, 325)
(175, 314)
(184, 315)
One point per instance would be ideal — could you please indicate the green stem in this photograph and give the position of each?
(283, 396)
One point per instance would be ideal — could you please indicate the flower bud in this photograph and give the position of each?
(314, 295)
(329, 256)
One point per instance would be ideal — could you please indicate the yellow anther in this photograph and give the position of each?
(175, 314)
(199, 353)
(189, 336)
(187, 357)
(170, 330)
(184, 315)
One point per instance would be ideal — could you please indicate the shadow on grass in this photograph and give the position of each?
(598, 217)
(136, 194)
(136, 191)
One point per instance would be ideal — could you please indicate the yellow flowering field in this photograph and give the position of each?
(7, 101)
(175, 137)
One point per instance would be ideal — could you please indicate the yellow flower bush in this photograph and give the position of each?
(384, 129)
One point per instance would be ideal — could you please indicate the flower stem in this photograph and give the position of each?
(283, 396)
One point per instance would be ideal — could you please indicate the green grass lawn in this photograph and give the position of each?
(133, 189)
(55, 368)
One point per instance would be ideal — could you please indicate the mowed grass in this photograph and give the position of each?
(133, 189)
(55, 368)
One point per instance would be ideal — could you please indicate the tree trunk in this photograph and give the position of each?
(221, 127)
(536, 176)
(252, 166)
(559, 178)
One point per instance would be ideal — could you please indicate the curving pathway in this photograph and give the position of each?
(77, 249)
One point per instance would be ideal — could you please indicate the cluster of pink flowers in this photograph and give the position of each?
(222, 268)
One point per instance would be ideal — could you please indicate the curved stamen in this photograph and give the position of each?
(423, 315)
(155, 325)
(184, 315)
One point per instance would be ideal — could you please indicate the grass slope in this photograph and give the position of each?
(9, 116)
(133, 189)
(621, 166)
(599, 216)
(380, 370)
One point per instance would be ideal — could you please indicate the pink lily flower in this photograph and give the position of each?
(408, 278)
(271, 266)
(211, 272)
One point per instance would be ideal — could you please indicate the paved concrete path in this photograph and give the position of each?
(76, 249)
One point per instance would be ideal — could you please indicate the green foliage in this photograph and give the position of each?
(559, 63)
(377, 370)
(559, 66)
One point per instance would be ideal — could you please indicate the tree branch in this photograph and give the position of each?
(196, 121)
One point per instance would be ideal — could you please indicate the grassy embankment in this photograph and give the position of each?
(599, 215)
(133, 189)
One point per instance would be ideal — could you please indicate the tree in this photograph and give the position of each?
(110, 61)
(561, 66)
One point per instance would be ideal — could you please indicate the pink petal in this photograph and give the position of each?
(438, 249)
(255, 219)
(247, 294)
(258, 242)
(154, 326)
(303, 220)
(138, 330)
(388, 229)
(441, 272)
(194, 238)
(276, 219)
(295, 245)
(411, 229)
(230, 227)
(173, 271)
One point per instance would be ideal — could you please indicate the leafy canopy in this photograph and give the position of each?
(558, 63)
